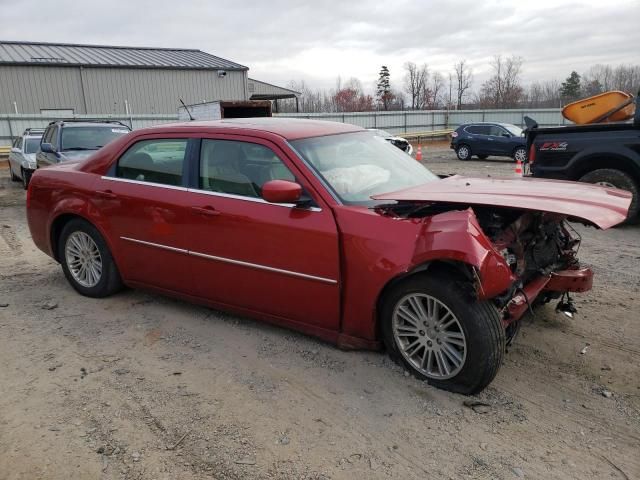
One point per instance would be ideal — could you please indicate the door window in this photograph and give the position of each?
(155, 161)
(497, 131)
(53, 137)
(239, 168)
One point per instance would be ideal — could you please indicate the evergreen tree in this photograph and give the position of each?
(383, 92)
(571, 87)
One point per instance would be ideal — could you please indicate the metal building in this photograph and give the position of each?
(64, 79)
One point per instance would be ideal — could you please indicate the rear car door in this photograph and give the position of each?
(478, 142)
(143, 198)
(276, 259)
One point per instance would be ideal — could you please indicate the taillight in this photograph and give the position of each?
(454, 134)
(532, 153)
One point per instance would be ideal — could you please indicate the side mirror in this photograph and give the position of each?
(47, 148)
(15, 150)
(281, 191)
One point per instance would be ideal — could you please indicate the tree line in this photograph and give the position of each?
(424, 89)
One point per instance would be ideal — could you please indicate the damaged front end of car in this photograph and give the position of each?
(514, 258)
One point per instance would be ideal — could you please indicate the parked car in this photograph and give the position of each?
(402, 143)
(22, 158)
(602, 153)
(65, 140)
(485, 139)
(324, 228)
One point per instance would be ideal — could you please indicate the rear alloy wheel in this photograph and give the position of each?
(520, 154)
(463, 152)
(483, 157)
(441, 335)
(609, 177)
(86, 260)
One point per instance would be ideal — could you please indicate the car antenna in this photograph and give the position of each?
(187, 109)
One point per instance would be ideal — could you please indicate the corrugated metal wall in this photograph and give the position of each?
(104, 90)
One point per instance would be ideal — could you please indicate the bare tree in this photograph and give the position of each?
(503, 89)
(464, 79)
(437, 90)
(415, 83)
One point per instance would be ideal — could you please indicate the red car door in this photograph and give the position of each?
(143, 200)
(276, 259)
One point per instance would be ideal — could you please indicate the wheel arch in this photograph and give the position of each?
(587, 164)
(62, 219)
(458, 270)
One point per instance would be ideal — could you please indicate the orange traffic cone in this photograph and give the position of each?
(419, 154)
(518, 171)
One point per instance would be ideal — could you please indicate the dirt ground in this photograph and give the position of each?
(140, 386)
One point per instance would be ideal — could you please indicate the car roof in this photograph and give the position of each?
(289, 128)
(488, 123)
(90, 123)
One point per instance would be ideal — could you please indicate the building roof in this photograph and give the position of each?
(38, 53)
(259, 90)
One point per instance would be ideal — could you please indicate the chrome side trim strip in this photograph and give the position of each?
(149, 184)
(263, 267)
(157, 245)
(207, 192)
(232, 261)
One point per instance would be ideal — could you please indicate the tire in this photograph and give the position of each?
(14, 177)
(475, 324)
(26, 177)
(81, 237)
(618, 179)
(483, 157)
(463, 152)
(520, 153)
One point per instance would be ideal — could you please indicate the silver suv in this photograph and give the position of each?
(22, 159)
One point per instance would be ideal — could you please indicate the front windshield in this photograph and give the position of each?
(358, 165)
(516, 131)
(32, 144)
(90, 138)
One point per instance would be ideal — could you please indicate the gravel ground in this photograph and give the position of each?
(140, 386)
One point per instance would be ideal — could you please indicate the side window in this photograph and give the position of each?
(478, 129)
(155, 161)
(497, 131)
(239, 168)
(53, 137)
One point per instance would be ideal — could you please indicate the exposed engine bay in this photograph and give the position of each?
(533, 244)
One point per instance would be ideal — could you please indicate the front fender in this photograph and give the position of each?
(457, 236)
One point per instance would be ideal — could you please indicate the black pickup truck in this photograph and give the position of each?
(602, 153)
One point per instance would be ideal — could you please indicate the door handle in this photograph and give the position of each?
(106, 194)
(208, 211)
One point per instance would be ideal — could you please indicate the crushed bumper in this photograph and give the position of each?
(577, 280)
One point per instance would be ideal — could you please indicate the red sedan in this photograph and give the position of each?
(324, 228)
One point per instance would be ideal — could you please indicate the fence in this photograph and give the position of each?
(429, 120)
(394, 122)
(14, 124)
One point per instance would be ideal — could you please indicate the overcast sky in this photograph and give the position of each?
(281, 40)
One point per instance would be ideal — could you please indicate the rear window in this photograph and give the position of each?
(90, 137)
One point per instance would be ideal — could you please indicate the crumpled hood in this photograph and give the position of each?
(602, 206)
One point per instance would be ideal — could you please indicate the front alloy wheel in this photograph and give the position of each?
(429, 336)
(435, 328)
(520, 154)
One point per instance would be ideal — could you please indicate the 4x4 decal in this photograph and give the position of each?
(554, 146)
